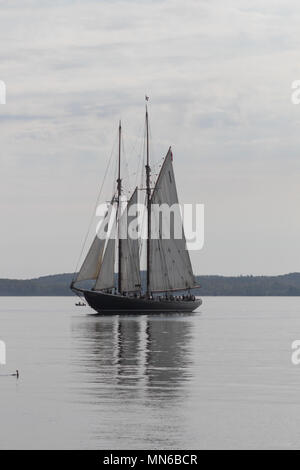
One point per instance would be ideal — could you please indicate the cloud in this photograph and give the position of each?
(219, 77)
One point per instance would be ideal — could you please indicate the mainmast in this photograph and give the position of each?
(148, 189)
(119, 186)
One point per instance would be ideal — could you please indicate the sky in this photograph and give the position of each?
(219, 78)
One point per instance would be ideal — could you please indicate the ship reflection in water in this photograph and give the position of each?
(134, 352)
(133, 372)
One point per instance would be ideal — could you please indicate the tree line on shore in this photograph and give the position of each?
(58, 285)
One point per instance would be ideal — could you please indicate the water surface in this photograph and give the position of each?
(219, 378)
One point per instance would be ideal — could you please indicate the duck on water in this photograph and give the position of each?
(14, 374)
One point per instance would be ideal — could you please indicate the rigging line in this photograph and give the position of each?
(138, 177)
(94, 210)
(144, 155)
(136, 261)
(142, 228)
(140, 156)
(128, 239)
(142, 159)
(134, 160)
(137, 140)
(125, 166)
(113, 184)
(145, 196)
(154, 162)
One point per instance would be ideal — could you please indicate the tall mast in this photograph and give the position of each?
(148, 173)
(119, 183)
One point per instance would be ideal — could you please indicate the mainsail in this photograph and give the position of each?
(170, 264)
(130, 260)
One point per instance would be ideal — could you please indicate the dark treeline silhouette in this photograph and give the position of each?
(58, 285)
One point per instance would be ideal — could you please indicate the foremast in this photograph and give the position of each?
(148, 192)
(119, 189)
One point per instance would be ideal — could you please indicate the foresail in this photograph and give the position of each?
(170, 264)
(106, 278)
(91, 266)
(130, 260)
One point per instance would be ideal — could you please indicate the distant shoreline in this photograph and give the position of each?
(213, 285)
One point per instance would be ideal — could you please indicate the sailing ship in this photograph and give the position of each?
(169, 274)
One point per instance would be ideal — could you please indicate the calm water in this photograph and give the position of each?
(219, 378)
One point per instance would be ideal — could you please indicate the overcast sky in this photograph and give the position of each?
(219, 76)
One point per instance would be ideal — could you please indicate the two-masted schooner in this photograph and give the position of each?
(169, 270)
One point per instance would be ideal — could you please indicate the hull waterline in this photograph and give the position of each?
(117, 304)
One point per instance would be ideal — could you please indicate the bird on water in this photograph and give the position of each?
(15, 374)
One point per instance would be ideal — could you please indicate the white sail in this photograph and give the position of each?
(130, 259)
(92, 263)
(106, 278)
(170, 264)
(91, 266)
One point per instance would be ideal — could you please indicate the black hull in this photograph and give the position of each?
(117, 304)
